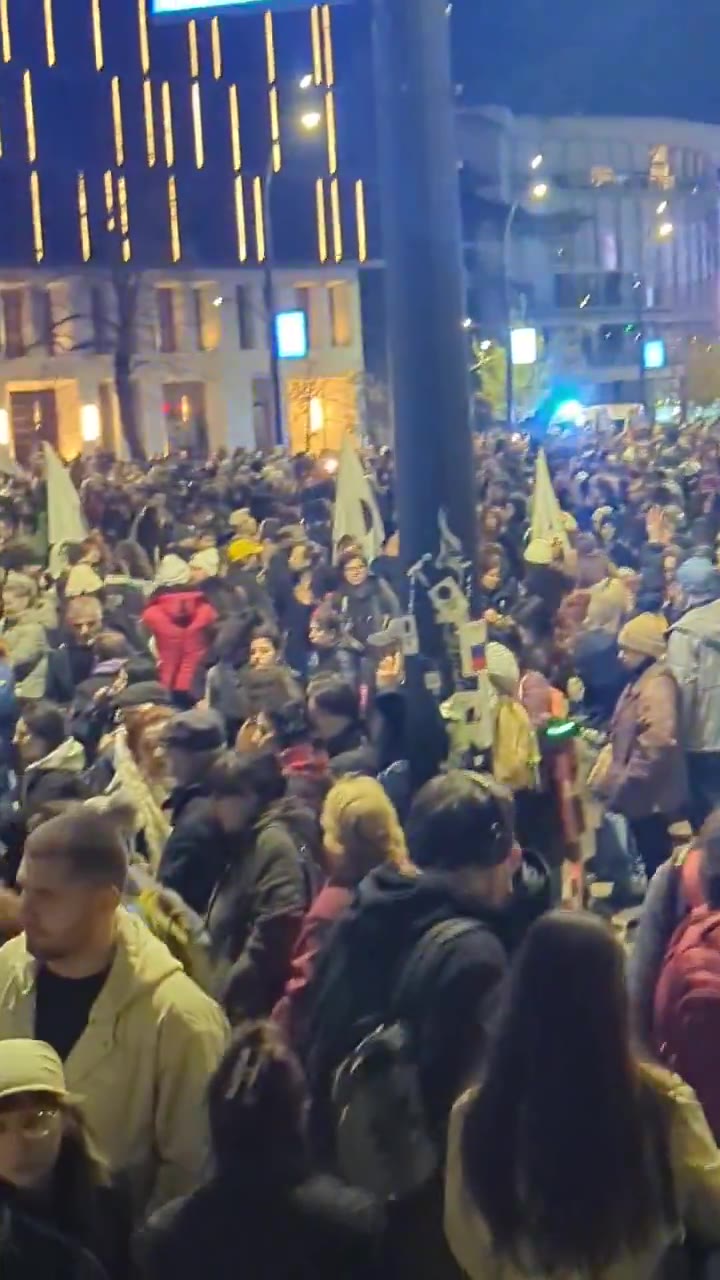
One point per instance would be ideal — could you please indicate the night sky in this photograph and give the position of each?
(623, 57)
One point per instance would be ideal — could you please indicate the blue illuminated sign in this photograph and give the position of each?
(209, 8)
(654, 353)
(291, 332)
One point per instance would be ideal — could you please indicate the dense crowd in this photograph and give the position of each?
(297, 979)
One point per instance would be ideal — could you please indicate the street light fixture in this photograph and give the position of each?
(311, 120)
(306, 81)
(537, 191)
(665, 230)
(536, 162)
(662, 207)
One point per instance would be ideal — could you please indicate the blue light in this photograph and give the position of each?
(291, 332)
(176, 8)
(569, 411)
(654, 353)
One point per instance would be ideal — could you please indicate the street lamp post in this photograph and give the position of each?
(537, 191)
(663, 232)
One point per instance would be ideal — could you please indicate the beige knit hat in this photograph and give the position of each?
(645, 634)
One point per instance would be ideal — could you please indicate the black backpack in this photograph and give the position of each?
(376, 1122)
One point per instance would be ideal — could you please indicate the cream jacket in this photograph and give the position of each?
(695, 1161)
(140, 1069)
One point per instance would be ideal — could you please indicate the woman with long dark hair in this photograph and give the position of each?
(573, 1157)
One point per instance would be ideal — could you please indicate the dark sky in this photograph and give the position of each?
(624, 57)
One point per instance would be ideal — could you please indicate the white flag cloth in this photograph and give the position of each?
(546, 519)
(66, 522)
(356, 512)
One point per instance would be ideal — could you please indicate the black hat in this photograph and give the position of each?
(196, 731)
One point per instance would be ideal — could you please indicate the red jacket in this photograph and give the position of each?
(179, 622)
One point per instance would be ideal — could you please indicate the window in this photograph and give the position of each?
(167, 321)
(12, 320)
(601, 175)
(43, 324)
(246, 317)
(339, 299)
(99, 319)
(303, 302)
(202, 319)
(660, 173)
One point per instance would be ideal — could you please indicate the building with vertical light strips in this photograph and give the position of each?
(133, 149)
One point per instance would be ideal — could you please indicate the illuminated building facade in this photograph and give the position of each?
(127, 145)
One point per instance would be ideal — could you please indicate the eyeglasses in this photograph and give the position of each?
(28, 1122)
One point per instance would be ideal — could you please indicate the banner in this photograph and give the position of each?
(356, 513)
(546, 519)
(66, 522)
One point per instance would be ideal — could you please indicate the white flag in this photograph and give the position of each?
(66, 522)
(356, 512)
(546, 519)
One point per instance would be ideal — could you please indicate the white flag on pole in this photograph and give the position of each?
(66, 522)
(356, 512)
(546, 520)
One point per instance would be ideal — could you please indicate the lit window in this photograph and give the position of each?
(361, 220)
(29, 117)
(167, 333)
(149, 123)
(340, 302)
(202, 317)
(240, 219)
(660, 174)
(235, 127)
(331, 132)
(336, 219)
(216, 48)
(168, 126)
(117, 120)
(175, 245)
(85, 243)
(49, 32)
(321, 220)
(5, 31)
(328, 46)
(259, 219)
(38, 236)
(198, 125)
(601, 175)
(143, 31)
(316, 46)
(98, 35)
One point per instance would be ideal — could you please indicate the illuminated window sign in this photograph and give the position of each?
(654, 353)
(523, 346)
(210, 8)
(291, 334)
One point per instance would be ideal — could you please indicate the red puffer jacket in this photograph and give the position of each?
(179, 622)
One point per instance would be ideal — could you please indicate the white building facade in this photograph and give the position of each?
(623, 250)
(200, 372)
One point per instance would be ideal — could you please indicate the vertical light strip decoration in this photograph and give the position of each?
(5, 31)
(124, 218)
(193, 49)
(216, 48)
(98, 35)
(275, 128)
(259, 219)
(321, 219)
(85, 242)
(197, 125)
(109, 200)
(235, 143)
(240, 219)
(270, 47)
(168, 125)
(29, 117)
(38, 236)
(361, 220)
(336, 219)
(175, 244)
(149, 123)
(144, 39)
(117, 120)
(272, 92)
(328, 46)
(331, 131)
(50, 33)
(316, 45)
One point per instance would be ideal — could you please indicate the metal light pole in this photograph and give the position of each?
(538, 191)
(270, 309)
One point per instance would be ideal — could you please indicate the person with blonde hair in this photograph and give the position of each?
(361, 831)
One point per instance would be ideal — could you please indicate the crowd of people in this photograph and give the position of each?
(299, 980)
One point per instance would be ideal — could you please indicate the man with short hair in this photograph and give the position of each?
(72, 661)
(138, 1038)
(192, 859)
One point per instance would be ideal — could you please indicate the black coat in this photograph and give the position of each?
(366, 609)
(68, 665)
(316, 1230)
(258, 906)
(192, 859)
(351, 752)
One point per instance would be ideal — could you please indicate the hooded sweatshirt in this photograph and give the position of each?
(139, 1071)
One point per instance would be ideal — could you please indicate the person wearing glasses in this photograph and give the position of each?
(60, 1217)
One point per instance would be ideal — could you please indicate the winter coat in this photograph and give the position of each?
(258, 906)
(52, 1237)
(332, 901)
(317, 1229)
(179, 621)
(351, 752)
(694, 658)
(140, 1068)
(695, 1166)
(367, 608)
(647, 773)
(67, 666)
(603, 676)
(27, 646)
(238, 694)
(192, 859)
(58, 776)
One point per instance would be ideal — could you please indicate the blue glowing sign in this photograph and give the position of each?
(654, 353)
(291, 332)
(209, 8)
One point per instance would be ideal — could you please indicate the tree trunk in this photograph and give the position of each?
(128, 408)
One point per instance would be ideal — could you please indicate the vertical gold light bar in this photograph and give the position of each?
(175, 245)
(85, 242)
(149, 123)
(321, 219)
(144, 39)
(124, 218)
(5, 31)
(38, 237)
(98, 35)
(275, 128)
(109, 200)
(197, 125)
(270, 47)
(235, 127)
(328, 46)
(29, 117)
(117, 120)
(216, 48)
(240, 219)
(193, 49)
(361, 219)
(168, 125)
(259, 219)
(336, 219)
(331, 131)
(50, 32)
(316, 45)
